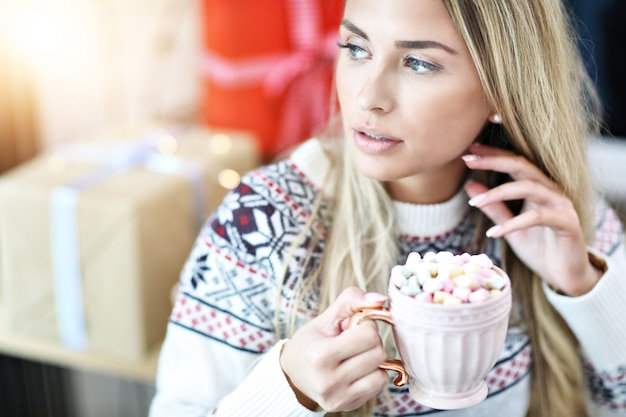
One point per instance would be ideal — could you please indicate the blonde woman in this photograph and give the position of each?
(462, 127)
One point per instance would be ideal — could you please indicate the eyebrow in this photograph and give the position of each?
(354, 29)
(425, 44)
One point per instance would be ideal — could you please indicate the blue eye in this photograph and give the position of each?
(355, 51)
(420, 66)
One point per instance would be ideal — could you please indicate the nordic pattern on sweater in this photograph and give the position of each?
(228, 286)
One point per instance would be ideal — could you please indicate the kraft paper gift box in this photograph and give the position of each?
(267, 67)
(90, 250)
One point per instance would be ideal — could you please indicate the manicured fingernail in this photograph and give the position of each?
(492, 231)
(476, 200)
(470, 157)
(375, 297)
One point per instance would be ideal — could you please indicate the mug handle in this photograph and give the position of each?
(383, 314)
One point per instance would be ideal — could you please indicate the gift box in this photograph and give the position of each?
(267, 67)
(93, 236)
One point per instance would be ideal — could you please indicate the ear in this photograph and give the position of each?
(495, 118)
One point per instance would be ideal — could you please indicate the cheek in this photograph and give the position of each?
(342, 84)
(463, 111)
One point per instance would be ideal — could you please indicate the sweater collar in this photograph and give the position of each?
(431, 220)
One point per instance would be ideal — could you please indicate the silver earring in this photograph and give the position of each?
(497, 118)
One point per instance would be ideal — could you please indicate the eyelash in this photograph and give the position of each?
(352, 48)
(409, 61)
(424, 64)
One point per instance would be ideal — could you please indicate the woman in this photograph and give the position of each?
(439, 101)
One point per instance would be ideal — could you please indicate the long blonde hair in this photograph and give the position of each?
(532, 74)
(527, 59)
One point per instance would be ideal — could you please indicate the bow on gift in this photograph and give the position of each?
(302, 74)
(113, 160)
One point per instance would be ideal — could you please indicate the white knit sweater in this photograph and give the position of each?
(220, 356)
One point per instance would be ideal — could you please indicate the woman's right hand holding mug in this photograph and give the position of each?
(332, 367)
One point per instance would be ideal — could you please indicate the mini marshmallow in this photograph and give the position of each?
(413, 281)
(483, 260)
(406, 271)
(443, 257)
(448, 279)
(465, 257)
(472, 268)
(424, 297)
(448, 284)
(401, 270)
(487, 272)
(455, 270)
(432, 286)
(496, 282)
(423, 275)
(410, 290)
(479, 296)
(449, 270)
(413, 260)
(398, 280)
(440, 296)
(462, 293)
(495, 293)
(466, 281)
(433, 268)
(457, 260)
(452, 300)
(429, 257)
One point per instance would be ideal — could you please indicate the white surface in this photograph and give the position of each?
(607, 157)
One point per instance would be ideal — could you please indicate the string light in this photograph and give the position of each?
(220, 144)
(228, 178)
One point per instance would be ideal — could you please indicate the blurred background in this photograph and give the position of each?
(72, 67)
(73, 71)
(601, 25)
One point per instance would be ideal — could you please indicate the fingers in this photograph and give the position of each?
(483, 157)
(527, 190)
(360, 339)
(337, 369)
(545, 204)
(363, 389)
(493, 208)
(349, 302)
(543, 207)
(362, 377)
(539, 217)
(546, 233)
(338, 372)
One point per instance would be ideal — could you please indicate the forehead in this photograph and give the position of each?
(404, 20)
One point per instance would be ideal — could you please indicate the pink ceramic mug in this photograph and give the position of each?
(448, 350)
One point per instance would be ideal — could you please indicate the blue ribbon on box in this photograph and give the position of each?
(65, 249)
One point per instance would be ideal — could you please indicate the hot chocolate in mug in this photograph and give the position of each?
(447, 350)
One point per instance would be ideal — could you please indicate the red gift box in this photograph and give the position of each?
(268, 67)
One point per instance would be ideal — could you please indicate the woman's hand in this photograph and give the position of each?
(546, 234)
(335, 367)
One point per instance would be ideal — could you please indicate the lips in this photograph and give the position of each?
(375, 137)
(373, 141)
(375, 134)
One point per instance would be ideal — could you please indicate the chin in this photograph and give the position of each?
(374, 171)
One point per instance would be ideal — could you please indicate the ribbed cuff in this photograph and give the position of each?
(265, 392)
(597, 317)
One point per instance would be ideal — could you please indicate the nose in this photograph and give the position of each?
(376, 93)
